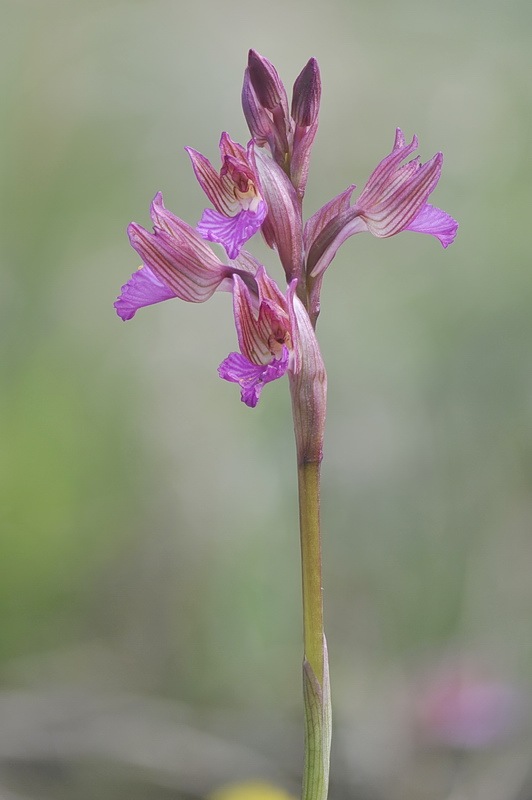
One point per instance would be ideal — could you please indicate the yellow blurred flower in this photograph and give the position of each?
(250, 791)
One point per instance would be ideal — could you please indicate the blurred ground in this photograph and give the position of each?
(149, 592)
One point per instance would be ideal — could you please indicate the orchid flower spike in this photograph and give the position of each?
(261, 187)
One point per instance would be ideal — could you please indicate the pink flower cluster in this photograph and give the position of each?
(261, 187)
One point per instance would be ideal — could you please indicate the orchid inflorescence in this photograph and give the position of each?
(261, 187)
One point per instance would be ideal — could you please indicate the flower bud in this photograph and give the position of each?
(266, 82)
(259, 123)
(306, 95)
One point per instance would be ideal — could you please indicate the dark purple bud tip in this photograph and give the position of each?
(265, 81)
(306, 94)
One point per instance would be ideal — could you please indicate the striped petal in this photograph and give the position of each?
(178, 256)
(252, 340)
(436, 222)
(252, 377)
(144, 288)
(394, 199)
(400, 199)
(231, 232)
(218, 190)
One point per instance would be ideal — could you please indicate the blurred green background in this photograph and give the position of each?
(150, 636)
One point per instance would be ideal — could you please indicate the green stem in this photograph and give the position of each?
(308, 387)
(309, 525)
(316, 690)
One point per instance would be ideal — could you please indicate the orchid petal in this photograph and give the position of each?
(252, 377)
(436, 222)
(144, 288)
(401, 200)
(268, 289)
(216, 188)
(380, 177)
(230, 148)
(231, 232)
(252, 332)
(264, 321)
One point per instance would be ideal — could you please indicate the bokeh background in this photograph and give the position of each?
(150, 634)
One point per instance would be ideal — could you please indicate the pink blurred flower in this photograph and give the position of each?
(470, 712)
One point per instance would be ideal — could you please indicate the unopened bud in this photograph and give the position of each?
(257, 118)
(306, 95)
(266, 82)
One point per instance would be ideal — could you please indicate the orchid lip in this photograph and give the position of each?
(252, 378)
(231, 232)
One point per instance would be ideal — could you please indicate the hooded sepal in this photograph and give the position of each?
(263, 322)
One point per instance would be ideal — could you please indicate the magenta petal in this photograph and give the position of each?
(436, 222)
(209, 180)
(252, 377)
(231, 232)
(144, 288)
